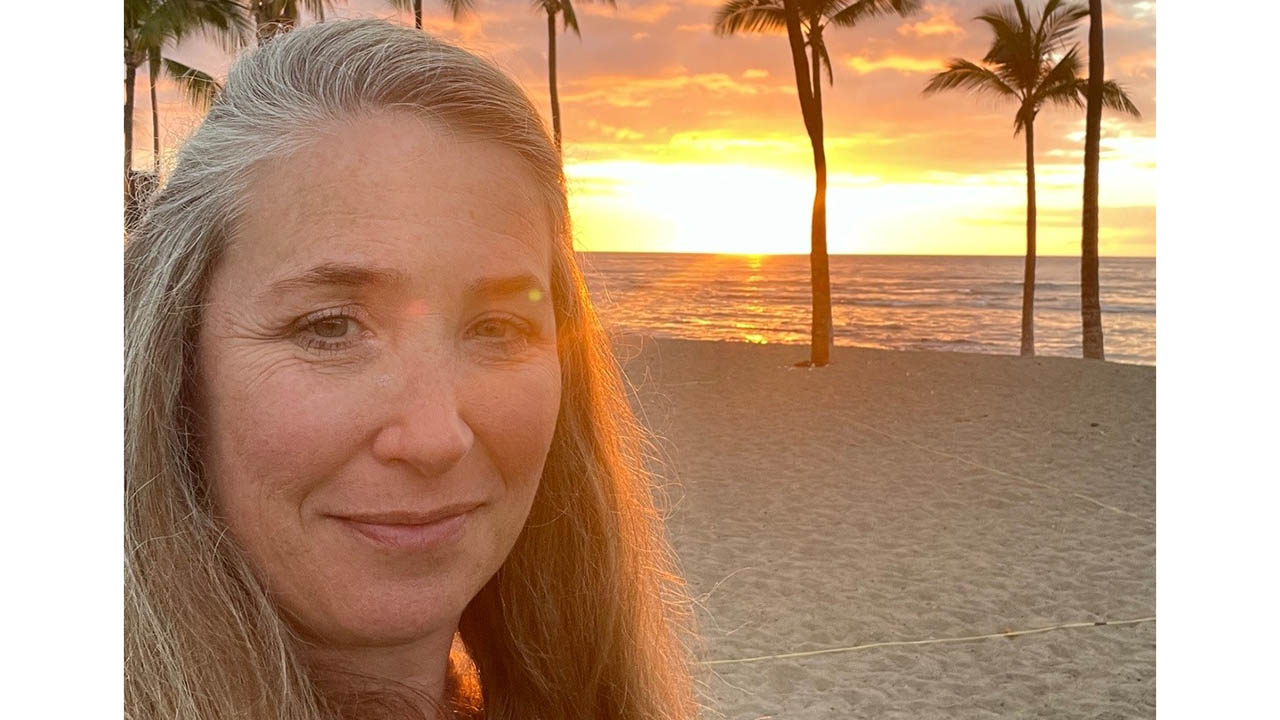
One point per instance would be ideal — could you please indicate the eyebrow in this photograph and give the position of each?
(338, 274)
(506, 286)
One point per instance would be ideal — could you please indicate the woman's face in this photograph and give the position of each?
(378, 376)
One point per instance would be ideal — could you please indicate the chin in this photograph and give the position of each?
(380, 616)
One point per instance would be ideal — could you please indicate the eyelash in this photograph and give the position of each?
(315, 343)
(524, 331)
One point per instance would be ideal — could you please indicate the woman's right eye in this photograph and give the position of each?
(331, 327)
(329, 330)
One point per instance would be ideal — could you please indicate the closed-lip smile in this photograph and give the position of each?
(408, 529)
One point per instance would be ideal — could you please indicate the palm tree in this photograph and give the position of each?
(148, 26)
(1022, 67)
(804, 21)
(1090, 293)
(457, 7)
(271, 17)
(564, 8)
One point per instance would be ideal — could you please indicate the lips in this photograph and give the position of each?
(410, 530)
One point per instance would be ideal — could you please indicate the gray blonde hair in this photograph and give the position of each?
(586, 618)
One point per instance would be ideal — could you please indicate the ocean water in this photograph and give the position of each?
(964, 304)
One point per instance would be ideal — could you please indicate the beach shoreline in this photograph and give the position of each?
(897, 498)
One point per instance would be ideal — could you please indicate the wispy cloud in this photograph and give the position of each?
(900, 63)
(939, 20)
(635, 91)
(647, 14)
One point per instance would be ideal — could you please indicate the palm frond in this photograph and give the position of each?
(825, 60)
(224, 23)
(1114, 97)
(221, 21)
(134, 12)
(964, 75)
(1010, 40)
(570, 17)
(1023, 19)
(863, 10)
(738, 16)
(1063, 94)
(460, 8)
(200, 88)
(1061, 77)
(1057, 23)
(315, 7)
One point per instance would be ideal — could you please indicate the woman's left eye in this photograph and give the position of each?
(502, 330)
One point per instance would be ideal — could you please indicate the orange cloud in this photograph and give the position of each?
(615, 133)
(647, 14)
(754, 73)
(621, 91)
(939, 22)
(901, 63)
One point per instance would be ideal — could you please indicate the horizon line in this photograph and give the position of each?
(751, 254)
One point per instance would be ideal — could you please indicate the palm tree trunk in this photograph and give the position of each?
(1029, 273)
(551, 68)
(821, 337)
(819, 268)
(130, 78)
(153, 69)
(814, 42)
(417, 14)
(1090, 292)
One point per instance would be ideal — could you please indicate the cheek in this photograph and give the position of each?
(272, 441)
(516, 418)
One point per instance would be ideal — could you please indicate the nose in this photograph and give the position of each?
(424, 427)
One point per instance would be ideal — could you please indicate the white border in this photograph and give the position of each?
(1216, 389)
(62, 439)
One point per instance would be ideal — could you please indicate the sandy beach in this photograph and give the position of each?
(910, 497)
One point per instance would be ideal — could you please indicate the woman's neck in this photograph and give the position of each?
(410, 673)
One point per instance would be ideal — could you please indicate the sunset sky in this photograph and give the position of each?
(679, 140)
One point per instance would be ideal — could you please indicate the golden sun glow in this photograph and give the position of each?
(678, 141)
(752, 210)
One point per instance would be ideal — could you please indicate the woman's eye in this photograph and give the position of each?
(507, 332)
(331, 327)
(495, 328)
(329, 330)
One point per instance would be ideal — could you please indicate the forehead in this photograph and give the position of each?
(393, 189)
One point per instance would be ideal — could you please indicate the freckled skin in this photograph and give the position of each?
(425, 403)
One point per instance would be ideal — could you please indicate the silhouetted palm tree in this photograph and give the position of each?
(148, 26)
(805, 21)
(1090, 292)
(1021, 66)
(457, 8)
(565, 9)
